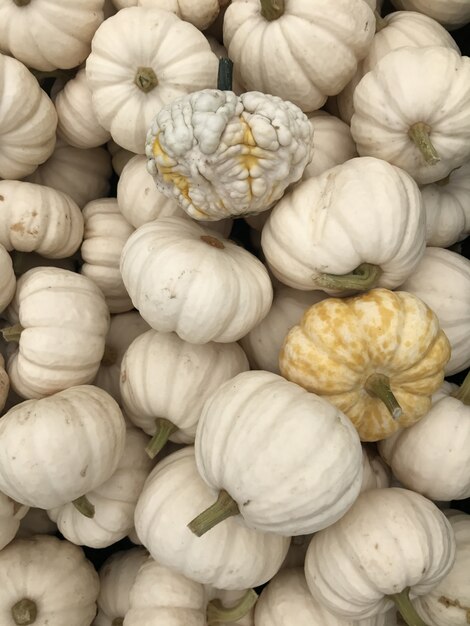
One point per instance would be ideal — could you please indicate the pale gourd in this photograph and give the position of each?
(447, 207)
(307, 470)
(4, 383)
(356, 226)
(200, 13)
(60, 320)
(11, 514)
(78, 124)
(46, 472)
(442, 280)
(238, 156)
(285, 49)
(451, 13)
(165, 382)
(184, 278)
(131, 78)
(426, 131)
(231, 556)
(378, 357)
(392, 543)
(27, 132)
(82, 174)
(7, 278)
(106, 232)
(117, 577)
(263, 343)
(46, 581)
(39, 219)
(113, 502)
(49, 34)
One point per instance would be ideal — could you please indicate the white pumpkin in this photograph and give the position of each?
(82, 174)
(106, 232)
(36, 522)
(49, 34)
(200, 13)
(356, 226)
(452, 13)
(230, 557)
(117, 577)
(11, 514)
(426, 131)
(263, 343)
(447, 207)
(375, 474)
(119, 156)
(46, 471)
(131, 78)
(442, 281)
(307, 470)
(390, 544)
(46, 581)
(182, 277)
(285, 49)
(448, 604)
(165, 382)
(113, 501)
(123, 329)
(78, 124)
(27, 132)
(39, 219)
(7, 278)
(63, 321)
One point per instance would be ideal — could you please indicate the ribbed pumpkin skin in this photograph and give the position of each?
(451, 13)
(7, 279)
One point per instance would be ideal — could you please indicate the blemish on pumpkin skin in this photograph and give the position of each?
(1, 198)
(123, 376)
(84, 471)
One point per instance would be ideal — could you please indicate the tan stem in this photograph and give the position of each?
(406, 608)
(212, 241)
(164, 429)
(24, 612)
(272, 9)
(222, 509)
(145, 79)
(463, 393)
(12, 333)
(85, 507)
(110, 356)
(378, 386)
(218, 614)
(363, 278)
(420, 134)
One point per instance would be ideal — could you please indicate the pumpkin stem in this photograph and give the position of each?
(165, 428)
(110, 356)
(378, 385)
(406, 608)
(419, 133)
(463, 393)
(225, 75)
(218, 614)
(363, 278)
(12, 333)
(21, 3)
(145, 79)
(380, 22)
(24, 612)
(117, 621)
(222, 509)
(84, 506)
(272, 9)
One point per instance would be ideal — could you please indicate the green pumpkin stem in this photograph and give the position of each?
(145, 79)
(117, 621)
(420, 133)
(218, 614)
(225, 75)
(12, 333)
(406, 608)
(272, 9)
(222, 509)
(378, 386)
(24, 612)
(21, 3)
(85, 507)
(164, 429)
(363, 278)
(463, 393)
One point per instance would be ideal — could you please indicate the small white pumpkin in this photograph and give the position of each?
(232, 556)
(63, 321)
(11, 514)
(46, 471)
(46, 581)
(7, 278)
(131, 78)
(390, 544)
(27, 132)
(82, 174)
(39, 219)
(200, 13)
(182, 277)
(78, 124)
(356, 226)
(442, 281)
(307, 469)
(47, 34)
(106, 232)
(426, 131)
(451, 13)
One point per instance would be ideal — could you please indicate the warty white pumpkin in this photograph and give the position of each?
(11, 514)
(7, 279)
(452, 13)
(183, 277)
(232, 556)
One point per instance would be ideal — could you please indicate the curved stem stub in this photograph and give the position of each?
(406, 608)
(164, 430)
(272, 9)
(420, 135)
(225, 74)
(366, 276)
(378, 386)
(85, 507)
(24, 612)
(222, 509)
(218, 614)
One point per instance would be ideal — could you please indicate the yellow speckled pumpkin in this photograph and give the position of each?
(378, 357)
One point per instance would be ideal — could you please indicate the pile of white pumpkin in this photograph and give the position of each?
(220, 408)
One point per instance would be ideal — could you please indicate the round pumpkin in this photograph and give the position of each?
(452, 13)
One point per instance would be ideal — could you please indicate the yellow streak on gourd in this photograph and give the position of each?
(249, 160)
(170, 176)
